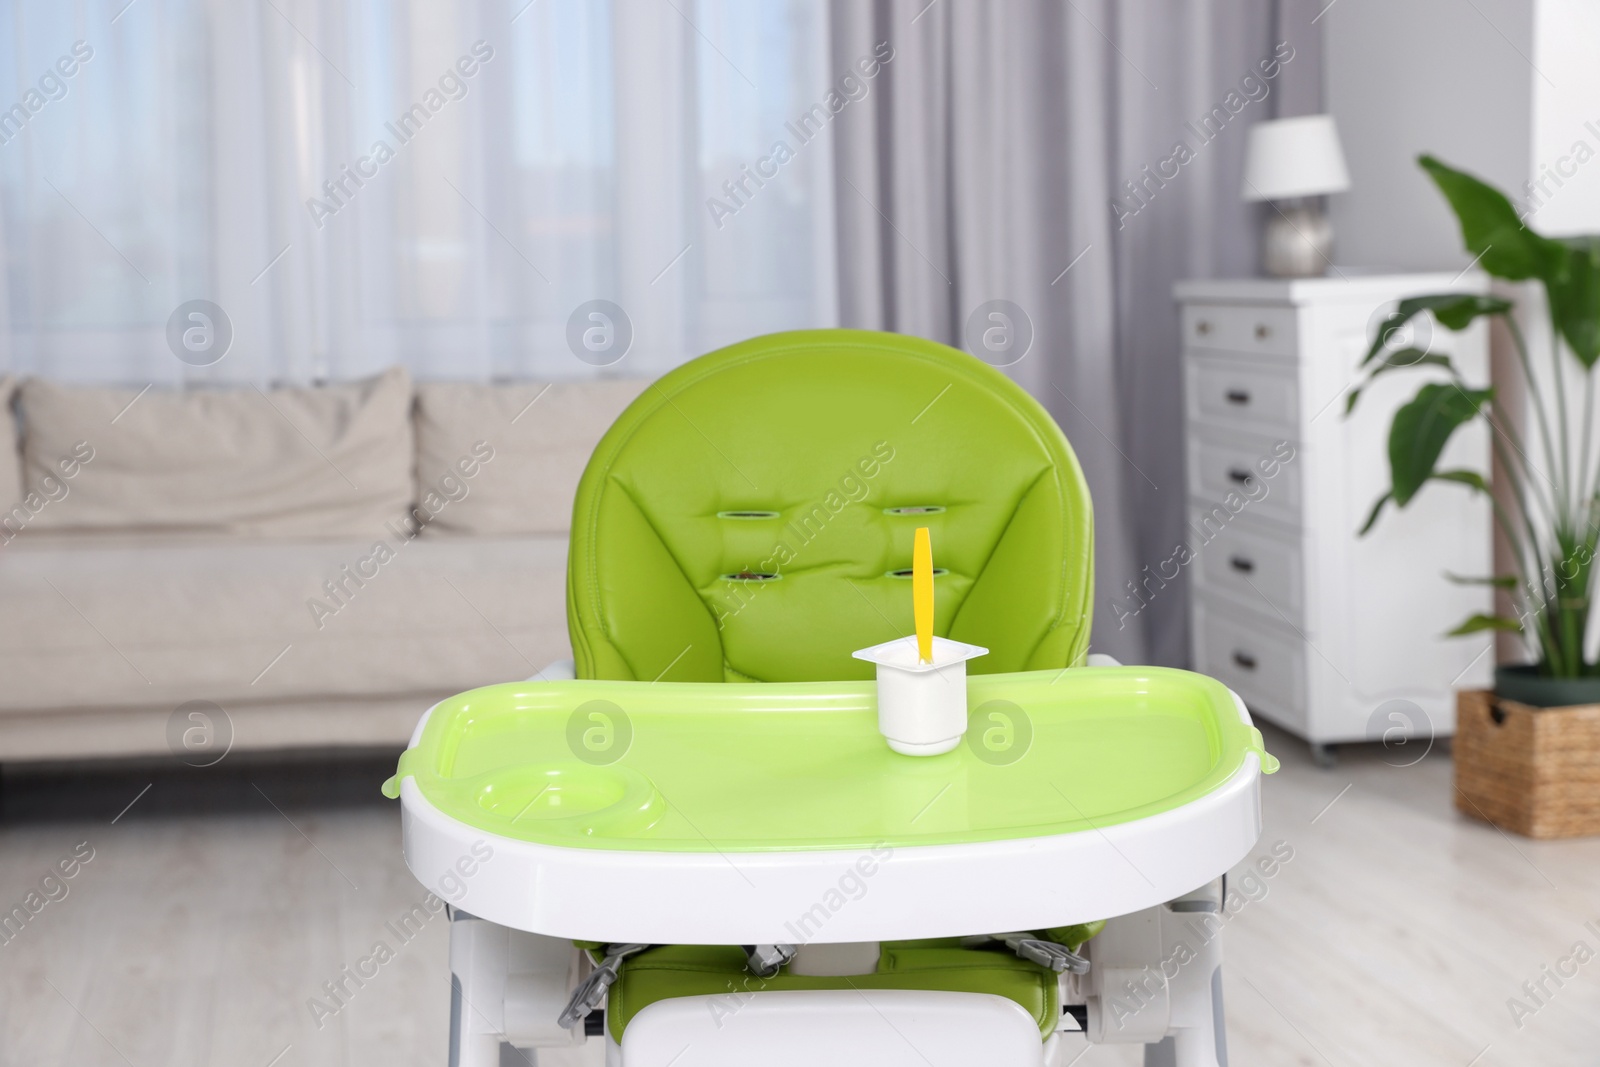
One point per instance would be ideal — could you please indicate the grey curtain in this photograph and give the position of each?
(1027, 151)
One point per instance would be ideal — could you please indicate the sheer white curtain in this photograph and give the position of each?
(358, 183)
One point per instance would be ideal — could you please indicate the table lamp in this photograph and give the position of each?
(1294, 160)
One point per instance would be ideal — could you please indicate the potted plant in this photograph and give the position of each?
(1528, 754)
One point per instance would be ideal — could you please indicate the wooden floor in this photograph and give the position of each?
(214, 909)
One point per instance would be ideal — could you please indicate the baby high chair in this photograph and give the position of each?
(704, 871)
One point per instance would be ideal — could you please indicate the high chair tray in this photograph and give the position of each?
(743, 814)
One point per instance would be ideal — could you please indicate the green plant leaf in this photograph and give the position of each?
(1503, 581)
(1479, 623)
(1574, 291)
(1490, 228)
(1422, 428)
(1569, 268)
(1471, 479)
(1400, 360)
(1372, 516)
(1460, 313)
(1455, 311)
(1412, 357)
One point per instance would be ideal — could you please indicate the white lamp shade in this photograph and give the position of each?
(1294, 157)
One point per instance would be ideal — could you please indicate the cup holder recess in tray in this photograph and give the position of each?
(575, 798)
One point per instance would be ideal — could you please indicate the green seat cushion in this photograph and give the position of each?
(719, 970)
(745, 518)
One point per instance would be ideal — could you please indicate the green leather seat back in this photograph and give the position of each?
(744, 517)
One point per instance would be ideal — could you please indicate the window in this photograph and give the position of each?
(360, 183)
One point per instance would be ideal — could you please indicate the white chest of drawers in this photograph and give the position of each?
(1334, 637)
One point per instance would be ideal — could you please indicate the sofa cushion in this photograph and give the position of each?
(323, 461)
(537, 439)
(106, 621)
(10, 459)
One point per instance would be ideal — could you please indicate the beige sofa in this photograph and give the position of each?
(320, 564)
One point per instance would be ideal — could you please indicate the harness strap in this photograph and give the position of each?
(1049, 954)
(764, 961)
(591, 992)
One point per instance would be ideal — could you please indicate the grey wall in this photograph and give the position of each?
(1450, 77)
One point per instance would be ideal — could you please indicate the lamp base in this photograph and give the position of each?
(1298, 243)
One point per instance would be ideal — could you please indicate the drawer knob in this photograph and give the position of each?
(1202, 327)
(1239, 475)
(1241, 564)
(1245, 660)
(1238, 396)
(1263, 331)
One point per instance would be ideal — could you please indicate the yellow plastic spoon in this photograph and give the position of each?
(922, 592)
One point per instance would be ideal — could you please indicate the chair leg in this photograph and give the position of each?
(507, 990)
(1161, 1054)
(1202, 1043)
(477, 990)
(1156, 980)
(476, 1050)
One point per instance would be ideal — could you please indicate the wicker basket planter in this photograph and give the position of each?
(1535, 771)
